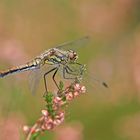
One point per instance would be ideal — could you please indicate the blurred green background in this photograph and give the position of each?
(28, 27)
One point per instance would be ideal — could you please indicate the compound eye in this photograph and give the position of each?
(71, 55)
(75, 56)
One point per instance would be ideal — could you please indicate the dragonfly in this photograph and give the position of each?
(61, 60)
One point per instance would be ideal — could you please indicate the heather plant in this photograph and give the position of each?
(53, 113)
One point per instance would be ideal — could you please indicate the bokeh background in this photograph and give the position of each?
(28, 27)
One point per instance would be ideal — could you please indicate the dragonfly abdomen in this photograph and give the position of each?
(17, 69)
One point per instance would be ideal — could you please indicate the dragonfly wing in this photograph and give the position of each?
(34, 79)
(36, 76)
(88, 79)
(95, 85)
(75, 44)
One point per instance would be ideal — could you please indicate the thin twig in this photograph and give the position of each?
(34, 128)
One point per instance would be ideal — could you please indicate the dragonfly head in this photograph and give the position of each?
(72, 55)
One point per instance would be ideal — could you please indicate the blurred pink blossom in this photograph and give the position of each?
(10, 128)
(72, 132)
(12, 51)
(136, 61)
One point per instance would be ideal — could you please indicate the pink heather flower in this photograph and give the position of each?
(57, 122)
(49, 126)
(77, 87)
(57, 100)
(43, 127)
(69, 96)
(76, 94)
(61, 114)
(45, 113)
(62, 103)
(47, 122)
(62, 119)
(59, 118)
(83, 89)
(26, 129)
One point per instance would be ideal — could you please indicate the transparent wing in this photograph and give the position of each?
(34, 80)
(36, 76)
(92, 83)
(95, 85)
(90, 80)
(75, 44)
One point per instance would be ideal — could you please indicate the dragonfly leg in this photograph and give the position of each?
(82, 67)
(65, 70)
(72, 71)
(54, 78)
(45, 80)
(68, 68)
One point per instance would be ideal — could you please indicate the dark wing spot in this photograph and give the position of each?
(105, 85)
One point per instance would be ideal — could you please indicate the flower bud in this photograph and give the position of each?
(83, 89)
(57, 99)
(45, 113)
(26, 128)
(69, 96)
(77, 87)
(76, 94)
